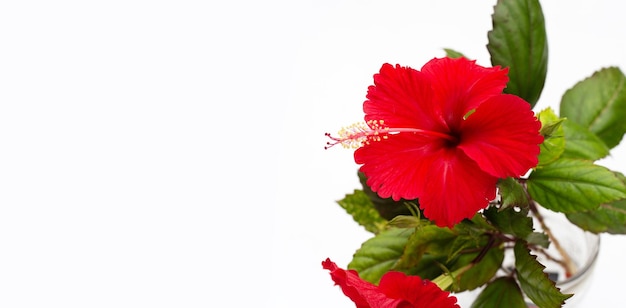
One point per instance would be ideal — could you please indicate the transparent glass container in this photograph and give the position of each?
(582, 248)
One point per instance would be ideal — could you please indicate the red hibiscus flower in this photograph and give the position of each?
(395, 290)
(445, 135)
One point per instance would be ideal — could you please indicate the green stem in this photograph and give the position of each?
(445, 280)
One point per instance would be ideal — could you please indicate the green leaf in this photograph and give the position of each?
(513, 194)
(475, 227)
(480, 273)
(471, 236)
(571, 185)
(550, 122)
(599, 103)
(609, 218)
(534, 282)
(539, 239)
(358, 205)
(450, 53)
(429, 267)
(510, 221)
(553, 136)
(502, 292)
(405, 221)
(518, 40)
(582, 143)
(459, 245)
(426, 239)
(380, 253)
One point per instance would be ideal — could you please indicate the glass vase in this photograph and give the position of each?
(581, 247)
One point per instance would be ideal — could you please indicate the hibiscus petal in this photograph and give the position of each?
(364, 294)
(456, 188)
(401, 97)
(420, 293)
(395, 167)
(461, 85)
(502, 136)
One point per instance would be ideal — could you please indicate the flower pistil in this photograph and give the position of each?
(360, 134)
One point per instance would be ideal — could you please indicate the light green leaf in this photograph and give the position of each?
(359, 205)
(553, 136)
(609, 218)
(534, 282)
(518, 40)
(599, 103)
(405, 221)
(571, 185)
(502, 292)
(450, 53)
(380, 253)
(582, 143)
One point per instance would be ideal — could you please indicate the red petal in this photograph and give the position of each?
(456, 188)
(396, 167)
(502, 136)
(361, 292)
(461, 85)
(419, 293)
(450, 185)
(402, 97)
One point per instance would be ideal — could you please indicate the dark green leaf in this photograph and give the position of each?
(502, 292)
(518, 40)
(553, 143)
(386, 207)
(513, 194)
(534, 282)
(471, 236)
(380, 253)
(599, 103)
(513, 222)
(571, 185)
(429, 267)
(450, 53)
(475, 228)
(582, 143)
(540, 239)
(482, 272)
(426, 239)
(358, 205)
(461, 244)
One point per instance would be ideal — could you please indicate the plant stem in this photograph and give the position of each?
(567, 263)
(445, 280)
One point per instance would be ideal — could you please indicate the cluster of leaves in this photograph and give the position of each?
(471, 253)
(567, 180)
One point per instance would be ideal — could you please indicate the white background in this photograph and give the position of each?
(170, 153)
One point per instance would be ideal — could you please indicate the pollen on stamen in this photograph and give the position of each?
(357, 135)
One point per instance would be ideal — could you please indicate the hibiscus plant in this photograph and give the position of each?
(455, 165)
